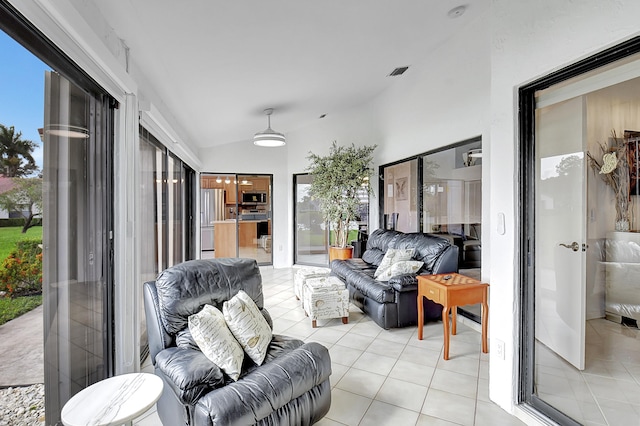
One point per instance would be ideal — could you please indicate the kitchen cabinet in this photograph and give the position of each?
(260, 185)
(231, 193)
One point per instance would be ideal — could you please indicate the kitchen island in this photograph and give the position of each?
(226, 238)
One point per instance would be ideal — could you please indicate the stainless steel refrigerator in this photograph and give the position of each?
(212, 202)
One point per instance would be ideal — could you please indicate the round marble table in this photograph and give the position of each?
(113, 401)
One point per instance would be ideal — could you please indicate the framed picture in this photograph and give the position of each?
(401, 188)
(633, 154)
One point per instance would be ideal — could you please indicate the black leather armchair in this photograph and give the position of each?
(291, 387)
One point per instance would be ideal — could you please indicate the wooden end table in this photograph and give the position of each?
(452, 290)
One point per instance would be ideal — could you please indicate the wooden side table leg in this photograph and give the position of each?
(454, 319)
(485, 325)
(445, 324)
(420, 316)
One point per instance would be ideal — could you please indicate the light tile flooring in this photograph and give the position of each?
(607, 391)
(387, 377)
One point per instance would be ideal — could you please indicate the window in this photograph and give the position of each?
(167, 204)
(440, 193)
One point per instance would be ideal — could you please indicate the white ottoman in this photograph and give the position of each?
(324, 298)
(301, 276)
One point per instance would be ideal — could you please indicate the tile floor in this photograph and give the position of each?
(387, 377)
(607, 391)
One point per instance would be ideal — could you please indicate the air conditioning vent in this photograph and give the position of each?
(398, 71)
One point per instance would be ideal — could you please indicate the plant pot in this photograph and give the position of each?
(340, 253)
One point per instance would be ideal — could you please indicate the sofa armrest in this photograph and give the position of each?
(265, 389)
(189, 373)
(447, 262)
(404, 282)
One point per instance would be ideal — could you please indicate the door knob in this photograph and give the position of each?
(573, 246)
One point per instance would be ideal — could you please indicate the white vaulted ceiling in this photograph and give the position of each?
(216, 65)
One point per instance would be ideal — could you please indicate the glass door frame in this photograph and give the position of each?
(296, 258)
(526, 215)
(25, 33)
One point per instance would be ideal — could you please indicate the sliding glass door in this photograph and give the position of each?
(236, 216)
(580, 261)
(77, 240)
(311, 237)
(167, 206)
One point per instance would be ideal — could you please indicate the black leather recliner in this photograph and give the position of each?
(291, 387)
(393, 303)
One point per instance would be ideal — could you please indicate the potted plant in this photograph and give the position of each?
(340, 179)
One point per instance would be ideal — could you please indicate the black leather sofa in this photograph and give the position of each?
(393, 303)
(291, 387)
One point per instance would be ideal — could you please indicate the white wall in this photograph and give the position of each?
(528, 41)
(440, 100)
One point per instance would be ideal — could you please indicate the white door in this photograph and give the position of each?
(560, 282)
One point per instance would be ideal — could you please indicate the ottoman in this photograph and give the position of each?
(325, 298)
(303, 274)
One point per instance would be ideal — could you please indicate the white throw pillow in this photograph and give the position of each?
(248, 325)
(402, 267)
(216, 341)
(393, 256)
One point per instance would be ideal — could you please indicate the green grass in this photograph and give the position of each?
(12, 308)
(9, 237)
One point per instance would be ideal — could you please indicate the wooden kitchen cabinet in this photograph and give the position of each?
(260, 185)
(231, 193)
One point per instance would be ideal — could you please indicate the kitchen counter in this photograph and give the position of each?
(226, 238)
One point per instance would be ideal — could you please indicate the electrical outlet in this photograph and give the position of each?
(499, 349)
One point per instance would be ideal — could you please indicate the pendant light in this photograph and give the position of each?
(268, 137)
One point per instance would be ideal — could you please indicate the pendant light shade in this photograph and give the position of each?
(268, 137)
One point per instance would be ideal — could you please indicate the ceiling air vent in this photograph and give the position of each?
(398, 71)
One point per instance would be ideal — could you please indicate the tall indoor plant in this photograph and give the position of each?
(340, 179)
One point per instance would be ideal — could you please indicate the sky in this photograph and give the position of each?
(22, 91)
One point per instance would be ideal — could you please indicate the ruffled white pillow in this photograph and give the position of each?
(248, 325)
(402, 267)
(393, 256)
(216, 341)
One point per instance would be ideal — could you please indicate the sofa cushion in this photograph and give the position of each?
(427, 249)
(191, 374)
(248, 325)
(402, 267)
(216, 341)
(363, 281)
(257, 394)
(185, 288)
(377, 245)
(391, 257)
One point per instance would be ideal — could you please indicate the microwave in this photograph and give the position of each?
(254, 198)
